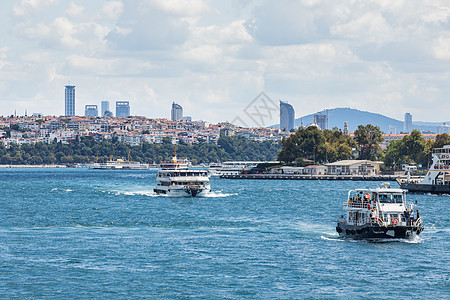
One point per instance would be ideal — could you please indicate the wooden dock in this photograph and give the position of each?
(312, 177)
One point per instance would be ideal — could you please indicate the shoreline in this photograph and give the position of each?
(312, 177)
(31, 166)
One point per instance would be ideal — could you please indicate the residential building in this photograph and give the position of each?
(176, 112)
(388, 138)
(287, 116)
(70, 100)
(122, 109)
(443, 129)
(91, 111)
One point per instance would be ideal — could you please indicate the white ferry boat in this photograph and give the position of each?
(232, 167)
(380, 213)
(176, 179)
(437, 179)
(119, 164)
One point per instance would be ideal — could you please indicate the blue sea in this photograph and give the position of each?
(78, 233)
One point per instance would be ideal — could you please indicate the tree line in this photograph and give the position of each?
(87, 150)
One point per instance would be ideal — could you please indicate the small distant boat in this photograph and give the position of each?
(175, 178)
(119, 164)
(231, 167)
(437, 179)
(380, 213)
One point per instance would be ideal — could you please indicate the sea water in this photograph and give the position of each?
(78, 233)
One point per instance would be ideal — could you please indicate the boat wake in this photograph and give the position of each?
(133, 193)
(335, 238)
(62, 190)
(151, 193)
(217, 194)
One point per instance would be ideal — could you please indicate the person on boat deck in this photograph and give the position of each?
(418, 215)
(407, 218)
(342, 219)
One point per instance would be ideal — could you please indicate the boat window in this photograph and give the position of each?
(384, 198)
(398, 198)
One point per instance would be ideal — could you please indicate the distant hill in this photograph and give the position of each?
(355, 117)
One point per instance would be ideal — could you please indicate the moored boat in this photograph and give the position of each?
(118, 164)
(175, 178)
(380, 213)
(437, 179)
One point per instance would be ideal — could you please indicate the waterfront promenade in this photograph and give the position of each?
(312, 177)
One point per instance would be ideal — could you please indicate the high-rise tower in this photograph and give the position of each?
(176, 113)
(321, 121)
(104, 107)
(287, 116)
(122, 109)
(407, 126)
(91, 110)
(70, 100)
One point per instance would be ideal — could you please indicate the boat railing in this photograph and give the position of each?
(363, 204)
(418, 222)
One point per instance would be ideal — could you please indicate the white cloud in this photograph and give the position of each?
(27, 6)
(112, 9)
(74, 10)
(441, 48)
(368, 28)
(182, 7)
(376, 55)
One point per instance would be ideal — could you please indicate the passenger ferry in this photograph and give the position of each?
(119, 164)
(234, 167)
(437, 179)
(175, 178)
(380, 213)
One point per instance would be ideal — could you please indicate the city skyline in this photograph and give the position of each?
(377, 56)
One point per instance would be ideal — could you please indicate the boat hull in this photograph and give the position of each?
(182, 192)
(376, 232)
(426, 188)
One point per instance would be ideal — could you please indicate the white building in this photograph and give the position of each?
(354, 167)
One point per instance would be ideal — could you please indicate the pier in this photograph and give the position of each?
(312, 177)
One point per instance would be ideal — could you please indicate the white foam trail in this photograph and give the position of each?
(334, 239)
(64, 190)
(217, 194)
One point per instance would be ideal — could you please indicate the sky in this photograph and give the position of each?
(218, 58)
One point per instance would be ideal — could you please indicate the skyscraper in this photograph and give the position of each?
(91, 111)
(321, 121)
(105, 107)
(70, 100)
(407, 126)
(122, 109)
(287, 116)
(176, 113)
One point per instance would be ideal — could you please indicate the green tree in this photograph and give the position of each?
(411, 149)
(441, 140)
(368, 139)
(306, 143)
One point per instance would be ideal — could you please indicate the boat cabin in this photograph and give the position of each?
(383, 205)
